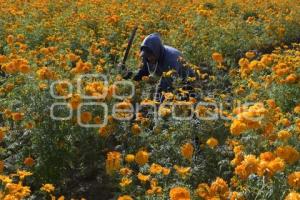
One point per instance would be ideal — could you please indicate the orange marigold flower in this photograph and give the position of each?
(155, 168)
(179, 193)
(276, 165)
(297, 109)
(288, 154)
(86, 117)
(166, 171)
(143, 178)
(17, 116)
(75, 101)
(113, 161)
(141, 157)
(244, 63)
(125, 197)
(135, 129)
(271, 103)
(236, 196)
(219, 187)
(292, 78)
(129, 158)
(292, 196)
(267, 156)
(203, 190)
(251, 163)
(3, 59)
(284, 135)
(212, 142)
(29, 161)
(125, 182)
(187, 151)
(217, 57)
(104, 131)
(250, 54)
(237, 127)
(48, 188)
(44, 73)
(294, 180)
(266, 59)
(182, 171)
(125, 171)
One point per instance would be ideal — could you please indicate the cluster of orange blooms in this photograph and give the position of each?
(16, 65)
(248, 118)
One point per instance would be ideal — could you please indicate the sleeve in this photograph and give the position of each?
(142, 72)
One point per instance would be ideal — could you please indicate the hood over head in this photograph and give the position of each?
(154, 43)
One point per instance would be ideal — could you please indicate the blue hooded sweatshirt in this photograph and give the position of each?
(168, 59)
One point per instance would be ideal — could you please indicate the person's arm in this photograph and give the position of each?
(142, 72)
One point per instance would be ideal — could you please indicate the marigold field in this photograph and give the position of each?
(242, 51)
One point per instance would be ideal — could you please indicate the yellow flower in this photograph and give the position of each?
(129, 158)
(203, 191)
(182, 171)
(294, 180)
(141, 157)
(179, 193)
(236, 196)
(251, 163)
(163, 111)
(212, 142)
(48, 188)
(267, 156)
(125, 182)
(143, 178)
(155, 189)
(166, 171)
(266, 59)
(135, 129)
(155, 168)
(22, 174)
(237, 127)
(297, 109)
(250, 54)
(288, 154)
(125, 197)
(44, 73)
(244, 62)
(219, 187)
(248, 166)
(187, 151)
(292, 196)
(113, 161)
(284, 135)
(277, 165)
(125, 171)
(5, 179)
(17, 191)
